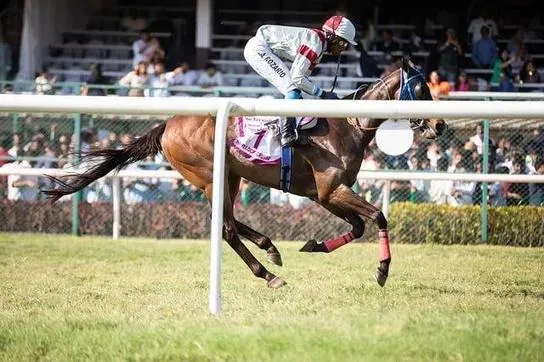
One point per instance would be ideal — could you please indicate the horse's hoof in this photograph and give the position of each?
(274, 258)
(276, 283)
(309, 247)
(381, 277)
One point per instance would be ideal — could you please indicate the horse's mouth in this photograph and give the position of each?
(428, 132)
(431, 132)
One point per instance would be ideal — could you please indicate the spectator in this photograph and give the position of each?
(16, 144)
(183, 75)
(4, 155)
(436, 86)
(22, 188)
(502, 70)
(371, 189)
(44, 83)
(153, 51)
(462, 190)
(536, 191)
(478, 138)
(49, 157)
(483, 19)
(516, 42)
(386, 44)
(517, 193)
(463, 84)
(95, 78)
(211, 77)
(484, 50)
(529, 73)
(441, 191)
(158, 82)
(139, 47)
(136, 80)
(450, 56)
(415, 43)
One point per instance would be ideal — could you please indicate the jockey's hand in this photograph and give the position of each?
(329, 95)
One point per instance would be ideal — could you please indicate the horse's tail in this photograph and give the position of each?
(105, 160)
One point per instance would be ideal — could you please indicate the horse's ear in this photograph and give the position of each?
(406, 63)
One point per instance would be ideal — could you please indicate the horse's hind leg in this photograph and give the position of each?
(230, 234)
(262, 241)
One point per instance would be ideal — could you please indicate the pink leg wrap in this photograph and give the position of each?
(385, 253)
(333, 244)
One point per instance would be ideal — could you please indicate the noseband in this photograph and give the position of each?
(407, 93)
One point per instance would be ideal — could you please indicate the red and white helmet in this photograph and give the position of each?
(342, 27)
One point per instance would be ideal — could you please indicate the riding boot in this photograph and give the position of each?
(287, 131)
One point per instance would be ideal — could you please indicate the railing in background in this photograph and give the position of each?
(223, 107)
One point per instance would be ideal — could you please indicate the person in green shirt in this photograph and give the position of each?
(502, 68)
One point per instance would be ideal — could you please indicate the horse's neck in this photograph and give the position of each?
(385, 89)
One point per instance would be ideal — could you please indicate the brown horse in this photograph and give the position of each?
(324, 168)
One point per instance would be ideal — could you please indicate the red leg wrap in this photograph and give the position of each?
(385, 253)
(333, 244)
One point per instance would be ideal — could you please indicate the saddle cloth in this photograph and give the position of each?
(258, 138)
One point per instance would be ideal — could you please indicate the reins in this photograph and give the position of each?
(355, 120)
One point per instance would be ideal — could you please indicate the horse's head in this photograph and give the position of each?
(413, 86)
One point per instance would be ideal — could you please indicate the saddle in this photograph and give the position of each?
(257, 138)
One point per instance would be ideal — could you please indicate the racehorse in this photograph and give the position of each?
(324, 168)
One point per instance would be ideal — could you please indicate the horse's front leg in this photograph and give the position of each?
(357, 230)
(343, 197)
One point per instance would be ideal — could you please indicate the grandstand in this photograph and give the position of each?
(105, 39)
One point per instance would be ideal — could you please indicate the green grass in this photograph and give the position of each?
(72, 299)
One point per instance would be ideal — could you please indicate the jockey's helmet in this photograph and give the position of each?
(341, 27)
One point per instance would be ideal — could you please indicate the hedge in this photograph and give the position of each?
(408, 223)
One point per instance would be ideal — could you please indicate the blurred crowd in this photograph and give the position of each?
(457, 151)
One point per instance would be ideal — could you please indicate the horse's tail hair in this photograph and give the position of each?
(105, 160)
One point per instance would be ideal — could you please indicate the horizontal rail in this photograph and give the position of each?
(384, 109)
(373, 175)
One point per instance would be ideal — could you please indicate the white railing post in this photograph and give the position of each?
(116, 195)
(386, 197)
(221, 122)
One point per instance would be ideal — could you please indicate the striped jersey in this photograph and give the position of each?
(303, 47)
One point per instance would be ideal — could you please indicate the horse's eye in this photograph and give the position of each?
(418, 90)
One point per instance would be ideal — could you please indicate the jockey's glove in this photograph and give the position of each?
(328, 95)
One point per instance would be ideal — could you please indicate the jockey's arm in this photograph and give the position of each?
(305, 59)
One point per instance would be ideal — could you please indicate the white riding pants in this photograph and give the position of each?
(268, 65)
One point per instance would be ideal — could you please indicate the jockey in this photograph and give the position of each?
(304, 47)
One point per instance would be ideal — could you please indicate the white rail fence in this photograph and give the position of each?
(223, 107)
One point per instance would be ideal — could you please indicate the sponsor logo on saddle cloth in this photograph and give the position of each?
(257, 138)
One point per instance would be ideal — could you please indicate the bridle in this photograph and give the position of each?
(407, 93)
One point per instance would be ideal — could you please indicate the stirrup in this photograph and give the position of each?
(288, 140)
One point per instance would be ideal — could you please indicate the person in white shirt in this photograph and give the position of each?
(475, 26)
(139, 48)
(22, 188)
(441, 191)
(211, 77)
(272, 45)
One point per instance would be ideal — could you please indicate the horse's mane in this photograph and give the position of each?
(362, 90)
